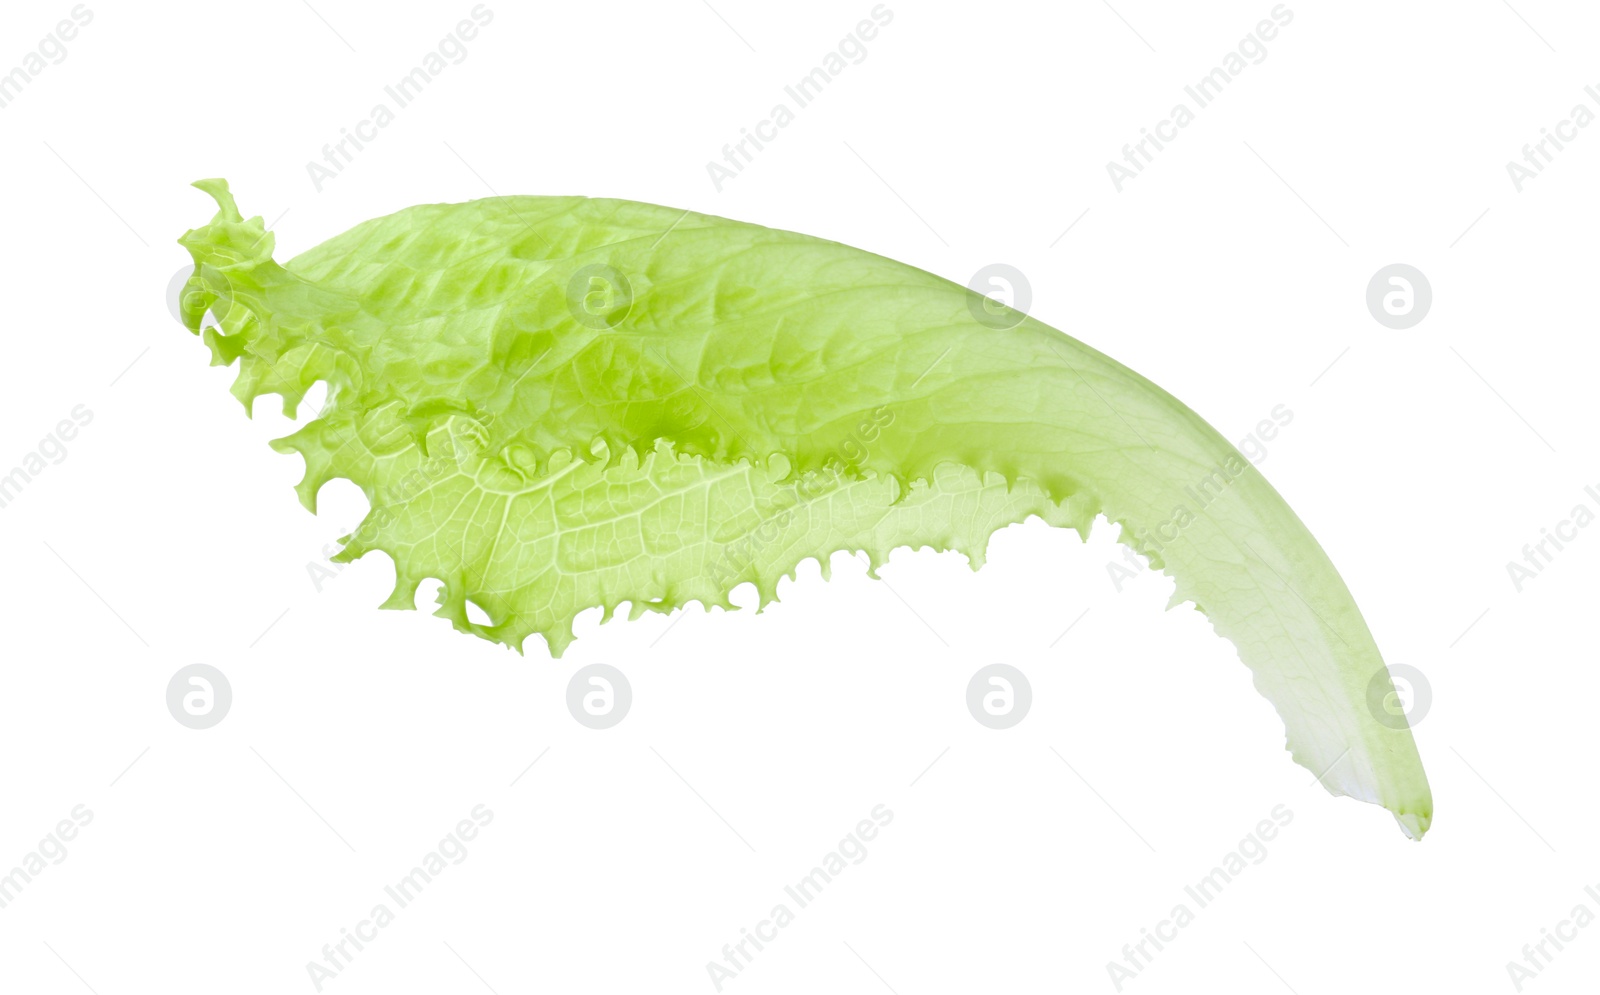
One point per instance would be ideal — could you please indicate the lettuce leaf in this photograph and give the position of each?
(558, 403)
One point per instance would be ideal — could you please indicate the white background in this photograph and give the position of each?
(1232, 272)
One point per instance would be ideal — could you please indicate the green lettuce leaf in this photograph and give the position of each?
(559, 403)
